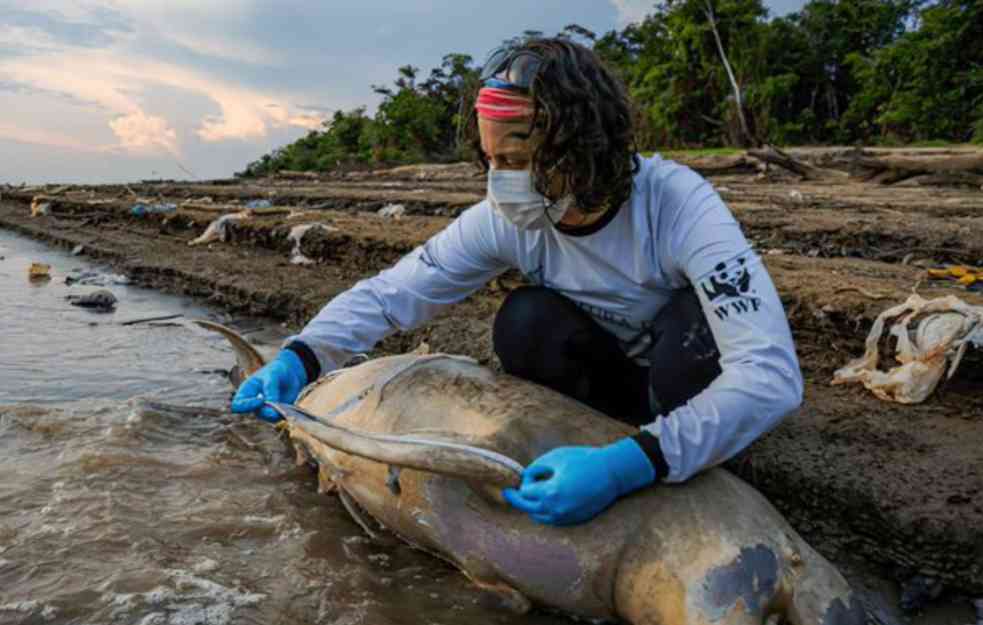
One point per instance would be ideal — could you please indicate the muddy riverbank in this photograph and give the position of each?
(896, 487)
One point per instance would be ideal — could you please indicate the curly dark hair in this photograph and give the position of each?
(583, 127)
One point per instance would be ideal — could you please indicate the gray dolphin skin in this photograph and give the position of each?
(711, 551)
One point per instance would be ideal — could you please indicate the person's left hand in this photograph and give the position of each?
(571, 485)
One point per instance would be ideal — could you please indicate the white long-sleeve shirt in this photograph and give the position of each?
(673, 232)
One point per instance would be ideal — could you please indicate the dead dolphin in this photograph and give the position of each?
(710, 552)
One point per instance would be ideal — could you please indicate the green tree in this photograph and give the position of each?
(928, 83)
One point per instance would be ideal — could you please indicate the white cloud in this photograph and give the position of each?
(630, 11)
(141, 132)
(100, 77)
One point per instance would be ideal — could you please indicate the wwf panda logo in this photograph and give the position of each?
(733, 281)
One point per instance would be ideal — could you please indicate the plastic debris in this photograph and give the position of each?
(932, 337)
(101, 300)
(78, 249)
(94, 278)
(970, 277)
(296, 234)
(218, 230)
(141, 209)
(394, 211)
(39, 271)
(258, 204)
(40, 207)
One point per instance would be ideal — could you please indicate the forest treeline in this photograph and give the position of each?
(708, 73)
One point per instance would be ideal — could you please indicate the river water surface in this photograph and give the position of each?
(113, 512)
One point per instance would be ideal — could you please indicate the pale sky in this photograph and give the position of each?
(118, 90)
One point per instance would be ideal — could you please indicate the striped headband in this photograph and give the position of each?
(503, 104)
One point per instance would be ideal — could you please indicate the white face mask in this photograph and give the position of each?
(511, 193)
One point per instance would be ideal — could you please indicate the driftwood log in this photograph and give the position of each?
(955, 169)
(773, 156)
(947, 169)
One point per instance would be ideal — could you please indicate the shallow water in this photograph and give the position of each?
(112, 512)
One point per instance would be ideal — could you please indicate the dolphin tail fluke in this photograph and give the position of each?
(248, 360)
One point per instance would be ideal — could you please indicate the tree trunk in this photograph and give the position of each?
(748, 140)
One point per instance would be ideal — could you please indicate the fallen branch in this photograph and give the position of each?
(774, 156)
(967, 162)
(962, 169)
(133, 322)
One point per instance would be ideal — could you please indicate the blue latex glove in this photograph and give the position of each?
(281, 380)
(571, 485)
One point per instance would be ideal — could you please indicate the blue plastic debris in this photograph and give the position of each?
(140, 209)
(259, 204)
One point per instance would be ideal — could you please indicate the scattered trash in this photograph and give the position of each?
(296, 234)
(162, 208)
(775, 251)
(101, 300)
(78, 249)
(394, 211)
(258, 204)
(796, 196)
(969, 277)
(218, 230)
(40, 207)
(931, 334)
(94, 278)
(39, 271)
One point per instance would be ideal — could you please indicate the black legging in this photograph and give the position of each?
(544, 337)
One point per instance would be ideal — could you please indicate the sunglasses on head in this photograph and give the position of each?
(510, 69)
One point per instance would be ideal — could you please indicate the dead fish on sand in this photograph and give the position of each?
(711, 551)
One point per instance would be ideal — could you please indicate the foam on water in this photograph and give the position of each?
(187, 600)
